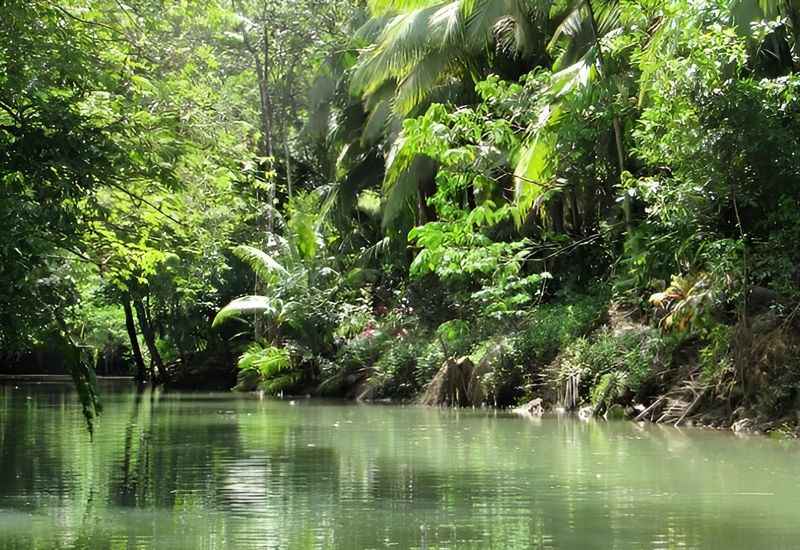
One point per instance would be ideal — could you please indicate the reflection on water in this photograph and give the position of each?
(201, 471)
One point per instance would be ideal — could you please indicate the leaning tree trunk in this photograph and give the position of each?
(141, 373)
(149, 340)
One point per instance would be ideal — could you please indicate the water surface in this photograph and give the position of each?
(212, 470)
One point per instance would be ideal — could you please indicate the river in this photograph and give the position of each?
(221, 470)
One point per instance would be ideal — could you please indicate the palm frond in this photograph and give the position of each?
(244, 305)
(384, 6)
(535, 166)
(530, 23)
(378, 105)
(447, 25)
(304, 230)
(403, 41)
(578, 33)
(418, 83)
(578, 74)
(377, 122)
(417, 48)
(265, 266)
(370, 31)
(272, 364)
(480, 17)
(534, 169)
(374, 251)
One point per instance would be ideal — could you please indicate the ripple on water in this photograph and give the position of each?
(227, 471)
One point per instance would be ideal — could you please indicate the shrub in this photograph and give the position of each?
(551, 327)
(431, 357)
(393, 374)
(352, 362)
(610, 366)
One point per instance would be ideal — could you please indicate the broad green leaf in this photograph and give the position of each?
(264, 265)
(241, 306)
(534, 168)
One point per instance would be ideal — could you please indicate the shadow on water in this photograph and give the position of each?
(31, 417)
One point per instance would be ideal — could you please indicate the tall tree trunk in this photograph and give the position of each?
(574, 211)
(266, 115)
(262, 68)
(472, 203)
(556, 211)
(626, 200)
(426, 189)
(149, 340)
(141, 373)
(426, 213)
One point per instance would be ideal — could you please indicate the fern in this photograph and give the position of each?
(611, 387)
(272, 364)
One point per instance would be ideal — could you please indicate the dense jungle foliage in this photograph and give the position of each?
(592, 202)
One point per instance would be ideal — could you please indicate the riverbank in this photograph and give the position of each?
(55, 377)
(590, 357)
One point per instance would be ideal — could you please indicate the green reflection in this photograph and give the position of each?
(197, 470)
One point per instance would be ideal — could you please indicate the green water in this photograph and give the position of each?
(204, 470)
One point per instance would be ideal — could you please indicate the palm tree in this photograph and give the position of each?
(415, 53)
(277, 283)
(581, 63)
(434, 48)
(288, 274)
(290, 266)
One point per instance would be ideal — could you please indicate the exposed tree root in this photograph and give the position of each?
(457, 384)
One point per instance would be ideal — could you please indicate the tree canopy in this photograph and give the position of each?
(378, 190)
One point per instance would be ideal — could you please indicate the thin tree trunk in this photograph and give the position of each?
(626, 198)
(265, 145)
(263, 88)
(149, 340)
(141, 373)
(266, 115)
(426, 213)
(472, 202)
(288, 163)
(287, 118)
